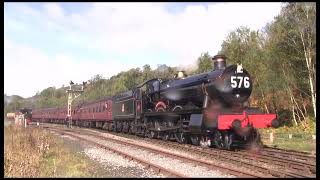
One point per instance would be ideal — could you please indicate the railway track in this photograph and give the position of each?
(262, 162)
(290, 154)
(198, 162)
(147, 164)
(269, 161)
(277, 162)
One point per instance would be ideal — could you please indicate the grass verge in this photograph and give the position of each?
(32, 152)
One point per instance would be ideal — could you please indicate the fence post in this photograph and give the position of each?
(271, 137)
(290, 136)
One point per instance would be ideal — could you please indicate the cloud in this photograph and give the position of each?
(126, 28)
(31, 70)
(126, 35)
(54, 10)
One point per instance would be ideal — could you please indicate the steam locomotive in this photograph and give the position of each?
(206, 109)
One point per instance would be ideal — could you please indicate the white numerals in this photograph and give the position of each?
(246, 82)
(235, 84)
(233, 81)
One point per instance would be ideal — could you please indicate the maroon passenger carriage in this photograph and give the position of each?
(204, 109)
(93, 114)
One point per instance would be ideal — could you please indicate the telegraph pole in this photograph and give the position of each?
(72, 94)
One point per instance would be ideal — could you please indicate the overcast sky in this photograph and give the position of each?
(49, 44)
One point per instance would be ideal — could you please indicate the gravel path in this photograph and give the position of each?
(118, 164)
(185, 168)
(177, 151)
(108, 163)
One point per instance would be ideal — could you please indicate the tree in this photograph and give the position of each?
(146, 74)
(291, 41)
(303, 18)
(204, 63)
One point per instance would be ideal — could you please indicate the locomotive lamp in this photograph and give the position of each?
(72, 94)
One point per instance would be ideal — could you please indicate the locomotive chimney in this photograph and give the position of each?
(219, 62)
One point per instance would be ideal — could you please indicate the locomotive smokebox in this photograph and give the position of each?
(219, 62)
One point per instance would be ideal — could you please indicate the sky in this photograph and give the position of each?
(49, 44)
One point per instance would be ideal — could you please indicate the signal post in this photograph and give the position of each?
(72, 95)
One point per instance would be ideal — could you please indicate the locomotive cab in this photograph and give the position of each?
(150, 91)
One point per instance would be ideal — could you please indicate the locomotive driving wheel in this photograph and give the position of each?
(151, 134)
(181, 137)
(165, 136)
(177, 108)
(161, 109)
(222, 140)
(195, 140)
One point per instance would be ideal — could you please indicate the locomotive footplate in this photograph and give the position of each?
(173, 114)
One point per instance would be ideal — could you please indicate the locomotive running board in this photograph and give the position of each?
(174, 114)
(164, 128)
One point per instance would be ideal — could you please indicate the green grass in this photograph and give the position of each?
(293, 144)
(301, 136)
(63, 162)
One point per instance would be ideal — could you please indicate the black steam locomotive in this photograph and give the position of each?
(206, 109)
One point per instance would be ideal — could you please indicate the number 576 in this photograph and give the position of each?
(235, 84)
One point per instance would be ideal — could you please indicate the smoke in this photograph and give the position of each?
(244, 132)
(188, 68)
(8, 99)
(173, 95)
(210, 113)
(254, 148)
(220, 85)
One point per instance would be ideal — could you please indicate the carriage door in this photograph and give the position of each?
(138, 102)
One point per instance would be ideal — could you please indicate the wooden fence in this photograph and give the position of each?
(271, 137)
